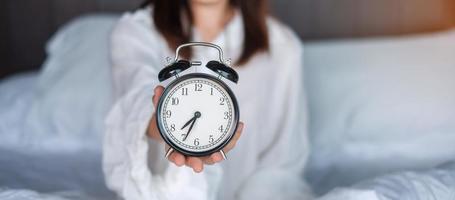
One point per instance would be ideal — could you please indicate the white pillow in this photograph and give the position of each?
(73, 92)
(379, 106)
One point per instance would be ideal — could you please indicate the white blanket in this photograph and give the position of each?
(50, 122)
(433, 184)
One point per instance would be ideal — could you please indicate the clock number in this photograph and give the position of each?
(168, 114)
(185, 91)
(172, 127)
(196, 142)
(175, 101)
(226, 115)
(198, 87)
(222, 100)
(211, 139)
(211, 91)
(221, 128)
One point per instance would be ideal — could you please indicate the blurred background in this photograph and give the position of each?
(379, 79)
(27, 24)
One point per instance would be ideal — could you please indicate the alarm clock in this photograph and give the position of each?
(197, 114)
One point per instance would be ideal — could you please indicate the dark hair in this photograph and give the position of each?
(168, 20)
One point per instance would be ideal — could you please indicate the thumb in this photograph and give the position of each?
(158, 92)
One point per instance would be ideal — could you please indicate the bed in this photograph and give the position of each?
(51, 121)
(51, 125)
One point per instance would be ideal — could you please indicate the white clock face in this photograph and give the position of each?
(197, 115)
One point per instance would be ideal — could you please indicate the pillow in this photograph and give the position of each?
(379, 106)
(73, 91)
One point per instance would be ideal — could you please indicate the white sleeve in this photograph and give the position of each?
(281, 164)
(135, 65)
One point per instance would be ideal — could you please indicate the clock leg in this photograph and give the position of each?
(168, 153)
(223, 154)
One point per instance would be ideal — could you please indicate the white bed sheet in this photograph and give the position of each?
(16, 96)
(51, 122)
(53, 168)
(64, 174)
(433, 184)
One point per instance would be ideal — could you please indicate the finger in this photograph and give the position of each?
(195, 163)
(207, 160)
(211, 159)
(216, 157)
(158, 92)
(177, 158)
(234, 140)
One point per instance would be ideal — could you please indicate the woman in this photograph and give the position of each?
(264, 163)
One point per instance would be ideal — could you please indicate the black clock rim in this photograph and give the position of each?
(161, 129)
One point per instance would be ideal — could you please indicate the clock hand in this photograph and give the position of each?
(193, 120)
(188, 123)
(197, 114)
(189, 130)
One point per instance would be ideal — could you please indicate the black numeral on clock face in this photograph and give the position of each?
(168, 114)
(211, 139)
(222, 100)
(185, 91)
(221, 128)
(226, 115)
(175, 101)
(211, 91)
(173, 127)
(198, 87)
(196, 142)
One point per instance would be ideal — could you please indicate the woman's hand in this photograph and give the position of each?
(197, 163)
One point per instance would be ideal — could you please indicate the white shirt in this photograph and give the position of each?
(268, 160)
